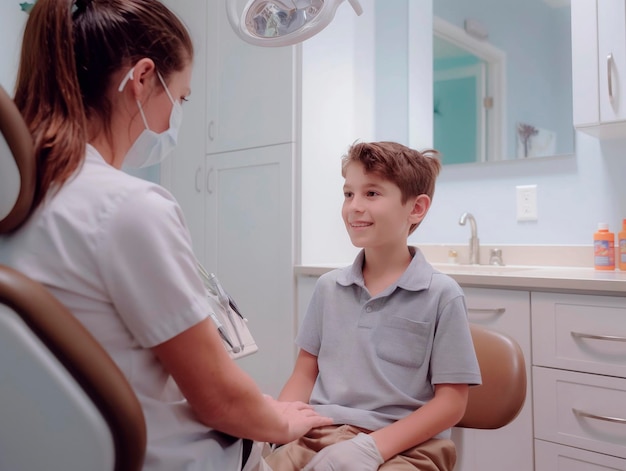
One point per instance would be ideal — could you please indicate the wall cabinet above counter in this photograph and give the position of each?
(599, 67)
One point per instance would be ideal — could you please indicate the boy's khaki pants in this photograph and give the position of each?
(432, 455)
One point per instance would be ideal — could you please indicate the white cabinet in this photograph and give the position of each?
(183, 173)
(599, 66)
(510, 447)
(579, 380)
(232, 174)
(249, 245)
(243, 97)
(250, 95)
(612, 60)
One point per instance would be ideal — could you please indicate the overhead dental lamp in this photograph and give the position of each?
(282, 22)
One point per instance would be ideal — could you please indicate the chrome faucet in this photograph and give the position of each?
(474, 245)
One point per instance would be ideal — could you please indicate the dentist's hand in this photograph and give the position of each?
(359, 453)
(300, 416)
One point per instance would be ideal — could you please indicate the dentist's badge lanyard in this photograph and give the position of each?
(231, 324)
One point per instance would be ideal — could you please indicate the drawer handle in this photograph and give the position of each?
(587, 415)
(198, 188)
(609, 62)
(613, 338)
(209, 190)
(211, 130)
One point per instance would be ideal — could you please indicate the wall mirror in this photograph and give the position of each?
(502, 79)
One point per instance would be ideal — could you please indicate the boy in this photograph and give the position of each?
(385, 347)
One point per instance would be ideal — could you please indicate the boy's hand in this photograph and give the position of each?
(359, 453)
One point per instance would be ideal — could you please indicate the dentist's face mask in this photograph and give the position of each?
(151, 148)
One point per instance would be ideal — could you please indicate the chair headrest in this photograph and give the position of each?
(17, 166)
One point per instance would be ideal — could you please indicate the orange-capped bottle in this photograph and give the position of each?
(621, 247)
(604, 248)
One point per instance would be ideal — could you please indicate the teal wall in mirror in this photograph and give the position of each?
(521, 110)
(458, 118)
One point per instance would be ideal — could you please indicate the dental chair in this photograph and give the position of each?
(500, 397)
(497, 401)
(64, 404)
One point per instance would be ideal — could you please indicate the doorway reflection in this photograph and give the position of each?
(459, 104)
(469, 96)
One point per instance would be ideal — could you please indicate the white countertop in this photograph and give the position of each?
(580, 280)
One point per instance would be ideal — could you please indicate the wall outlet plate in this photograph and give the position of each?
(526, 202)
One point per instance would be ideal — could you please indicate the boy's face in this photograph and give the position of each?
(373, 212)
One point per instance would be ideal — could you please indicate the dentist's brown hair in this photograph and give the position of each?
(70, 51)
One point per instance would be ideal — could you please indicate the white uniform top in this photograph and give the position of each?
(380, 357)
(116, 251)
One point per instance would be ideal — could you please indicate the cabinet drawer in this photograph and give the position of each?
(503, 310)
(579, 332)
(554, 457)
(581, 410)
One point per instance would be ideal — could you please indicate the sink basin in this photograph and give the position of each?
(453, 269)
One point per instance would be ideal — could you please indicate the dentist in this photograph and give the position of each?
(101, 85)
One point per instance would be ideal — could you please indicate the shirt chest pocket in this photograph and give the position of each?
(402, 341)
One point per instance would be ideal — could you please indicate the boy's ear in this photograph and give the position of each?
(421, 205)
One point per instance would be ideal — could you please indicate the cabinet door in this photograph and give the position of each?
(612, 59)
(183, 173)
(510, 447)
(249, 245)
(250, 88)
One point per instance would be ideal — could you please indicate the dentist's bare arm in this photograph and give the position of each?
(223, 396)
(300, 384)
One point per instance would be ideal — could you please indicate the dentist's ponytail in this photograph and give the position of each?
(48, 94)
(71, 51)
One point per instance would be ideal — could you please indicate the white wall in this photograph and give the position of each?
(342, 103)
(574, 194)
(337, 109)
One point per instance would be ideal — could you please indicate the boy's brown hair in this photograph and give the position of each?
(412, 171)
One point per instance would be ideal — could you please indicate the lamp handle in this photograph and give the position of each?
(231, 14)
(358, 9)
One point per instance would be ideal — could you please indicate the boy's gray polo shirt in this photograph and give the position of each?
(380, 357)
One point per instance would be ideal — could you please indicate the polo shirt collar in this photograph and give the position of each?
(416, 277)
